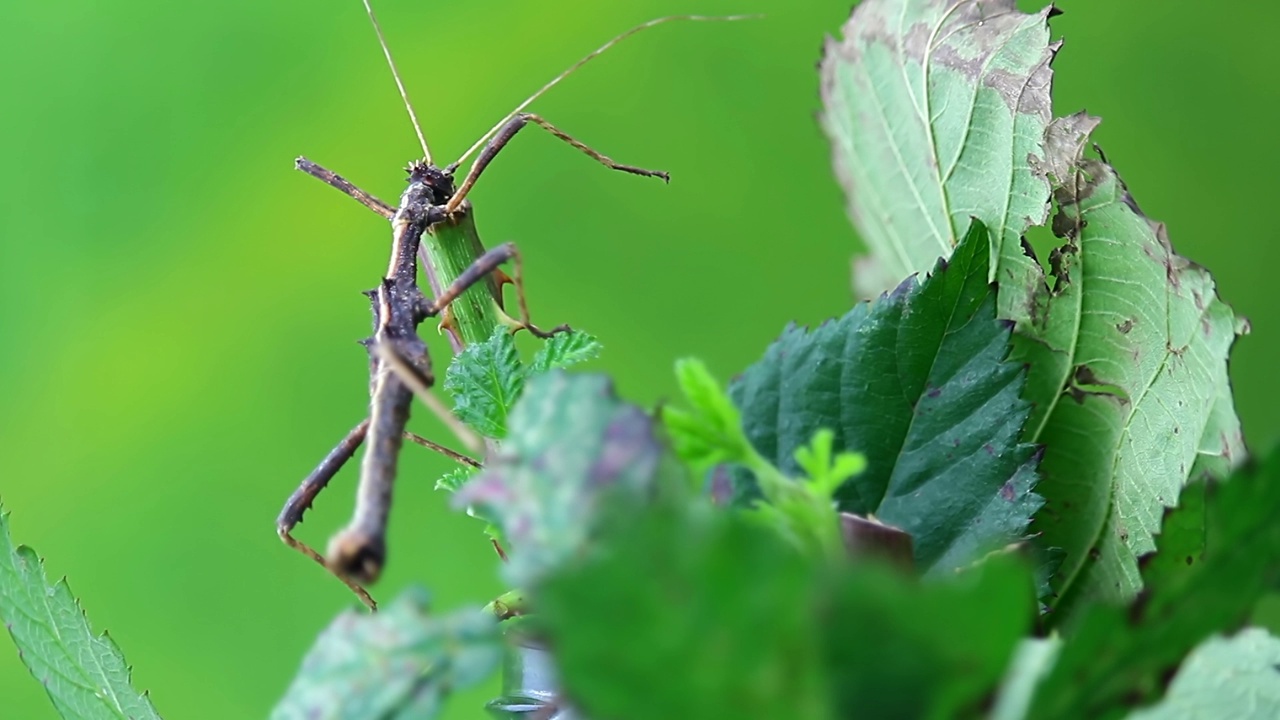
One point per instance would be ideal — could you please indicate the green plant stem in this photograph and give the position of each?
(448, 248)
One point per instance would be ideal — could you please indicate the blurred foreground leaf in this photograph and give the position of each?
(571, 442)
(1235, 678)
(84, 674)
(398, 663)
(918, 383)
(933, 108)
(1219, 552)
(730, 620)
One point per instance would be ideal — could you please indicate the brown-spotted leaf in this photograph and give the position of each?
(935, 110)
(1127, 353)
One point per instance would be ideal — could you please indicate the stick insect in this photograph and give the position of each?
(434, 220)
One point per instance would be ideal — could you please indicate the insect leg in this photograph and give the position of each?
(504, 136)
(335, 180)
(485, 264)
(302, 498)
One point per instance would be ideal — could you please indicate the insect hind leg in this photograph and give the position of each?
(302, 498)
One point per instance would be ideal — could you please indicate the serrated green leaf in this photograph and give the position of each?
(485, 380)
(397, 664)
(945, 103)
(564, 349)
(1233, 678)
(730, 622)
(572, 442)
(1219, 552)
(1128, 356)
(938, 110)
(933, 108)
(84, 674)
(917, 382)
(453, 480)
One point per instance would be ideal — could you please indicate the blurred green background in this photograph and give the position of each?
(179, 308)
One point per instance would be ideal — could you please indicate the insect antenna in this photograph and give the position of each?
(404, 95)
(590, 56)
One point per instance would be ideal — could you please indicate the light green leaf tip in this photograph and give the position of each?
(710, 433)
(84, 674)
(454, 479)
(828, 470)
(564, 349)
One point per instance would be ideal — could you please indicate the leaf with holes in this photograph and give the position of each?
(85, 674)
(918, 383)
(934, 109)
(1128, 376)
(938, 110)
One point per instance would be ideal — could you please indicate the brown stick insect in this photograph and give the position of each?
(435, 221)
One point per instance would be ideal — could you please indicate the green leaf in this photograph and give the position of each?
(400, 662)
(729, 621)
(933, 108)
(924, 651)
(1225, 677)
(453, 480)
(572, 442)
(1219, 552)
(564, 349)
(917, 382)
(1128, 356)
(85, 674)
(701, 636)
(938, 110)
(485, 380)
